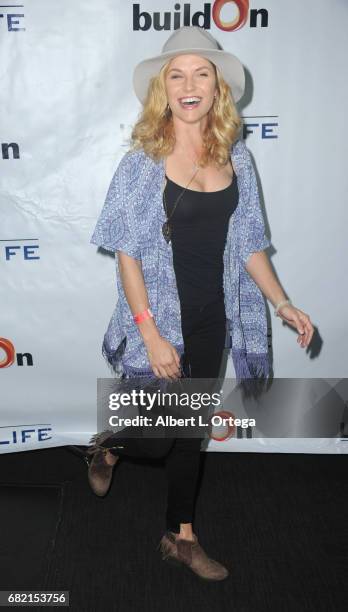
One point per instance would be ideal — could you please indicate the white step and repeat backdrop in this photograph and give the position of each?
(67, 107)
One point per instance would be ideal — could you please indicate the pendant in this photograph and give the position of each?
(166, 231)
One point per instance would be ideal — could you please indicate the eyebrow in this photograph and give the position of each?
(200, 68)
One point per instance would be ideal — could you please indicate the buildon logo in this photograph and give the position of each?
(227, 15)
(8, 355)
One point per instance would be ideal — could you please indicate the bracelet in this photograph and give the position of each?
(146, 314)
(280, 305)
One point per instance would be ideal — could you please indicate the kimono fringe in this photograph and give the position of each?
(250, 365)
(130, 377)
(113, 358)
(252, 370)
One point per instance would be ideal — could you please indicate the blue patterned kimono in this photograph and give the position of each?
(131, 221)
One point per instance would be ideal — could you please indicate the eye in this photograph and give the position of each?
(203, 74)
(175, 76)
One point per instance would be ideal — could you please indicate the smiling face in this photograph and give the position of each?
(190, 84)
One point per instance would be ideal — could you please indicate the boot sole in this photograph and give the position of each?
(180, 565)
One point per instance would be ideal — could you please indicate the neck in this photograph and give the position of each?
(189, 136)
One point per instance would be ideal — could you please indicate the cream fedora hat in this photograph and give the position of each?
(193, 40)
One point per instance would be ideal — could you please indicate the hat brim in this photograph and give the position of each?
(231, 68)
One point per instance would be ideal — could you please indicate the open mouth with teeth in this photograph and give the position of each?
(189, 103)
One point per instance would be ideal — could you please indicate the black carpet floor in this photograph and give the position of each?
(277, 521)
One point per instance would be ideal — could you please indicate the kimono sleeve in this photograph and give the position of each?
(116, 226)
(253, 237)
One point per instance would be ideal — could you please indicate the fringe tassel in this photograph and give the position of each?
(240, 364)
(114, 358)
(252, 371)
(179, 550)
(258, 365)
(250, 365)
(131, 372)
(165, 547)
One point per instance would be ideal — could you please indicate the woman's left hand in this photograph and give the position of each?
(300, 321)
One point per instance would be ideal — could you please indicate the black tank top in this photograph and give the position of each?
(199, 229)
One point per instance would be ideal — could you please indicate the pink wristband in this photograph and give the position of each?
(146, 314)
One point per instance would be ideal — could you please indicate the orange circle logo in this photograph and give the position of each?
(224, 414)
(7, 346)
(239, 21)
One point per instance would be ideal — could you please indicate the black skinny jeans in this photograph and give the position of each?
(204, 333)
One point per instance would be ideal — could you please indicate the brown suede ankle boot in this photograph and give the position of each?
(191, 554)
(99, 471)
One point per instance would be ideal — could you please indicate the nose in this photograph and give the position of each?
(188, 84)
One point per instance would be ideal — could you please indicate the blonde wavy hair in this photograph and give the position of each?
(154, 130)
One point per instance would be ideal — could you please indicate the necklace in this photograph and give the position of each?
(166, 229)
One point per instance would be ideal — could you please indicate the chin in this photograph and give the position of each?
(190, 116)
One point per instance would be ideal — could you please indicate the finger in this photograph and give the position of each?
(305, 340)
(166, 372)
(303, 327)
(310, 333)
(177, 359)
(308, 328)
(173, 372)
(161, 372)
(300, 324)
(302, 339)
(175, 366)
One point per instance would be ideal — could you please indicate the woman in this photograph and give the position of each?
(183, 214)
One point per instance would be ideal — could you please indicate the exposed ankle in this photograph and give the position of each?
(181, 536)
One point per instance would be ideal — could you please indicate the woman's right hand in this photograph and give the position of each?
(164, 358)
